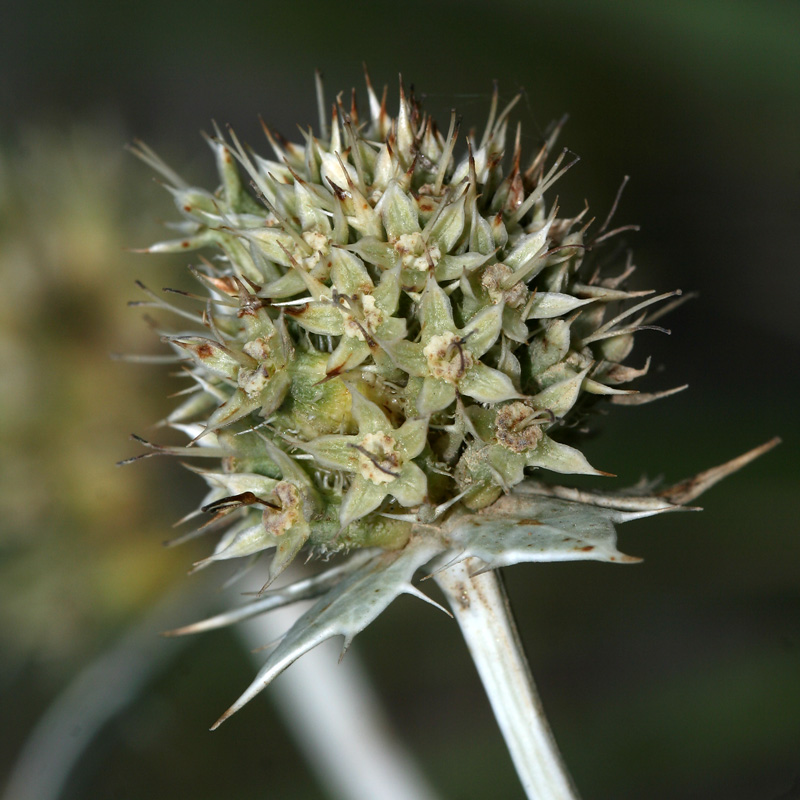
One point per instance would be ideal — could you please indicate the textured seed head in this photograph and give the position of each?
(396, 331)
(396, 327)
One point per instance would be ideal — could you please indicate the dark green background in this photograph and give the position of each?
(677, 678)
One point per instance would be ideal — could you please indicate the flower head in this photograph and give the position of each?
(396, 332)
(379, 459)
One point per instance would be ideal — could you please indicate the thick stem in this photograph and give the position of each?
(481, 607)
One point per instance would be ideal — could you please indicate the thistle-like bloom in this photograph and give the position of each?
(396, 333)
(379, 457)
(448, 359)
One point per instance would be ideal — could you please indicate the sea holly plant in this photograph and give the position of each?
(397, 345)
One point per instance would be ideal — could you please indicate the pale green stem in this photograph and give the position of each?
(481, 608)
(337, 720)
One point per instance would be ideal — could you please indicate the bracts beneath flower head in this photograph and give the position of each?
(396, 331)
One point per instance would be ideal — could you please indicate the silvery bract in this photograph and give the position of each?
(397, 334)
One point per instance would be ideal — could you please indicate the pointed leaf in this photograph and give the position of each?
(238, 406)
(449, 225)
(275, 244)
(349, 353)
(482, 330)
(407, 356)
(362, 497)
(509, 466)
(249, 539)
(387, 293)
(687, 490)
(410, 487)
(451, 268)
(550, 346)
(287, 547)
(317, 317)
(213, 356)
(348, 273)
(391, 329)
(434, 396)
(334, 451)
(519, 528)
(274, 393)
(514, 326)
(299, 590)
(560, 397)
(528, 247)
(230, 483)
(554, 304)
(287, 285)
(487, 385)
(370, 417)
(412, 437)
(561, 458)
(311, 216)
(336, 169)
(374, 251)
(345, 610)
(398, 212)
(435, 312)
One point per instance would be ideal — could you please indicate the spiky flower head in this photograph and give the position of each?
(397, 329)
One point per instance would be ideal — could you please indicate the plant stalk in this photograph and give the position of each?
(481, 607)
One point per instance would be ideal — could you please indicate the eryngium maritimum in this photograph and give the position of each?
(397, 332)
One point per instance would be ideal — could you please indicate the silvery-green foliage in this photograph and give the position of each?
(396, 331)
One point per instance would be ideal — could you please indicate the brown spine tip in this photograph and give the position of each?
(222, 719)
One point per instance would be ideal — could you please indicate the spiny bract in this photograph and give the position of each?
(393, 338)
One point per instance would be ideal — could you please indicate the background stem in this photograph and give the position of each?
(336, 719)
(102, 690)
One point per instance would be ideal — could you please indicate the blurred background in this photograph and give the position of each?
(676, 678)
